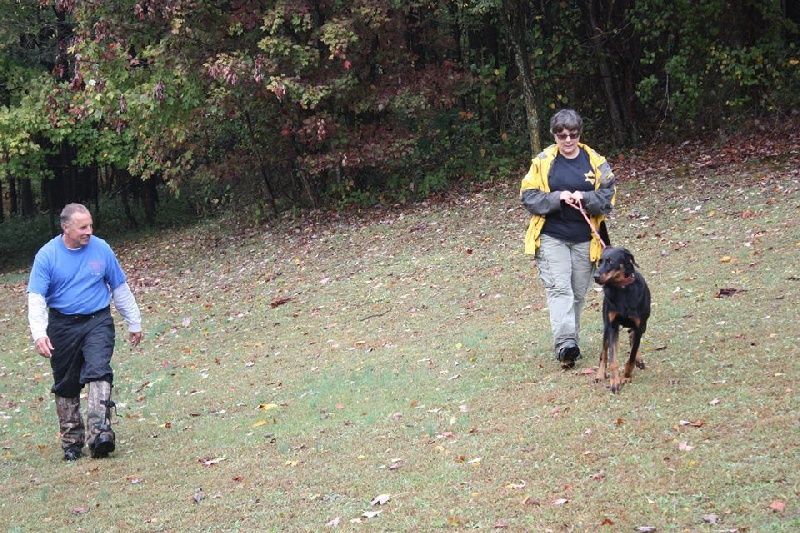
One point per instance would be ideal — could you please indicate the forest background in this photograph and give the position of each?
(266, 107)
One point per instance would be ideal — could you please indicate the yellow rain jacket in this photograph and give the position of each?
(537, 198)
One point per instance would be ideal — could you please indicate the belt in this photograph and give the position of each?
(57, 313)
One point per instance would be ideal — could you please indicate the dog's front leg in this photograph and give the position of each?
(640, 364)
(601, 369)
(634, 358)
(613, 366)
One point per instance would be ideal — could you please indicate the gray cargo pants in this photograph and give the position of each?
(566, 272)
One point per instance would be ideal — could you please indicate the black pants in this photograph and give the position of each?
(82, 350)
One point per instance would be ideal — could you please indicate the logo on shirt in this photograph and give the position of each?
(590, 177)
(97, 268)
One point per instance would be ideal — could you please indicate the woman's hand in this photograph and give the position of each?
(572, 198)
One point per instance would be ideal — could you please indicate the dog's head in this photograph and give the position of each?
(616, 266)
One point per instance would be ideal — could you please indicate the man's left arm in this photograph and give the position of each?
(127, 307)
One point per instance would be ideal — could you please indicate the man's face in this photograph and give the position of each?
(78, 231)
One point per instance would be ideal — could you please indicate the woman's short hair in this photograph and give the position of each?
(566, 119)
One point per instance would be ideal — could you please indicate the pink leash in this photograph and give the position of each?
(580, 208)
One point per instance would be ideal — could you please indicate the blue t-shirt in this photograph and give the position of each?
(76, 282)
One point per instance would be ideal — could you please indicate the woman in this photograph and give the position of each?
(564, 177)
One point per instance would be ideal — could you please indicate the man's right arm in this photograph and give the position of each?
(37, 315)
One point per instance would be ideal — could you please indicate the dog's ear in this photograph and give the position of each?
(630, 258)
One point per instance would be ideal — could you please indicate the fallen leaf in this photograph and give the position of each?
(78, 510)
(279, 302)
(560, 501)
(710, 518)
(646, 529)
(380, 499)
(268, 406)
(684, 447)
(334, 522)
(501, 524)
(208, 461)
(530, 500)
(371, 514)
(777, 506)
(597, 476)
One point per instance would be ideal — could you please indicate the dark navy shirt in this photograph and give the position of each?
(569, 175)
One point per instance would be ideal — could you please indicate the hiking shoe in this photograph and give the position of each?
(102, 446)
(73, 453)
(568, 354)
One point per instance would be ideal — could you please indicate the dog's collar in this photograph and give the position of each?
(627, 281)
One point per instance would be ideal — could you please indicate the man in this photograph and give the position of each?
(73, 280)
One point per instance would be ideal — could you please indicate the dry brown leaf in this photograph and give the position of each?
(530, 500)
(597, 476)
(777, 506)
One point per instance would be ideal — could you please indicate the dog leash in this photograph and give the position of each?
(580, 208)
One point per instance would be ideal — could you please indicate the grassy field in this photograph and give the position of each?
(393, 372)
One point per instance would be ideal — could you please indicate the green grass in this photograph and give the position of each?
(294, 374)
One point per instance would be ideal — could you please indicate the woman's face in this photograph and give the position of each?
(567, 142)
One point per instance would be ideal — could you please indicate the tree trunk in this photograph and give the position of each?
(27, 203)
(150, 201)
(123, 179)
(13, 207)
(597, 40)
(513, 21)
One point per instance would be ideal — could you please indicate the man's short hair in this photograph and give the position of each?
(71, 209)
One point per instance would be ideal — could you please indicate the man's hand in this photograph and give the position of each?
(44, 347)
(134, 338)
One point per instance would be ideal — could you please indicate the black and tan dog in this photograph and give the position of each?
(626, 303)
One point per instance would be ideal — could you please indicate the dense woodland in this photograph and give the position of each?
(271, 105)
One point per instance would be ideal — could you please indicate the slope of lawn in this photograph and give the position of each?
(392, 371)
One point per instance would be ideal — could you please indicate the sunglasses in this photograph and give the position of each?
(565, 136)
